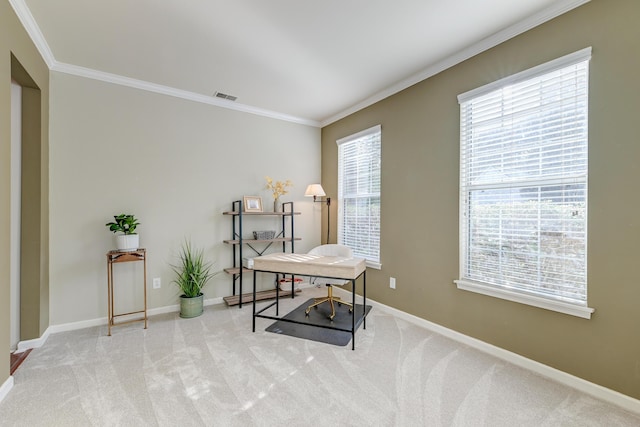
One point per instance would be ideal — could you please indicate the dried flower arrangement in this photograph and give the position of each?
(278, 188)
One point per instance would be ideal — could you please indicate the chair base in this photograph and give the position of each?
(331, 300)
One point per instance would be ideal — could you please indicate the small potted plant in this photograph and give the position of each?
(192, 273)
(126, 225)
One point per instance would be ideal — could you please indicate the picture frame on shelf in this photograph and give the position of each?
(252, 204)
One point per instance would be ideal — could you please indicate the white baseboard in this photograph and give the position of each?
(213, 301)
(176, 307)
(65, 327)
(6, 387)
(611, 396)
(34, 343)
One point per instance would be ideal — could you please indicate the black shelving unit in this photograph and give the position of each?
(257, 247)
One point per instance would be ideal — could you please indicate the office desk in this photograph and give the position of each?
(330, 267)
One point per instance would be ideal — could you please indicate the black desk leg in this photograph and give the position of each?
(354, 313)
(364, 299)
(293, 283)
(254, 300)
(278, 293)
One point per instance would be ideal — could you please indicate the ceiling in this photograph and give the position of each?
(302, 60)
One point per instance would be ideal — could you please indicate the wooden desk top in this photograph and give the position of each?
(311, 265)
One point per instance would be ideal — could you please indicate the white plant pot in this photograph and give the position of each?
(127, 242)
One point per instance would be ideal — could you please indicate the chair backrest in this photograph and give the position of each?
(332, 250)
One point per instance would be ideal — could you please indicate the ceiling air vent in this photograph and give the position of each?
(225, 96)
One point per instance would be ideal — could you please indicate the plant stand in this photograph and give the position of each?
(114, 257)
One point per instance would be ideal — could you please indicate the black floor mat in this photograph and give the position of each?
(319, 316)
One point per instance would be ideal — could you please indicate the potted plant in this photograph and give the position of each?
(125, 224)
(192, 273)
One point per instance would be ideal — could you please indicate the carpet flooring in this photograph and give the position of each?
(213, 371)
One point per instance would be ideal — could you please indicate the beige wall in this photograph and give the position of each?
(420, 166)
(21, 61)
(175, 164)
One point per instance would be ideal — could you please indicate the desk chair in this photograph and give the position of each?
(330, 250)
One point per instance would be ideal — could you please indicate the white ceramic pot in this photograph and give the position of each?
(127, 242)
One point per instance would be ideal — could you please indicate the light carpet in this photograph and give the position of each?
(213, 371)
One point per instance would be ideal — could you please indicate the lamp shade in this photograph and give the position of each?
(315, 190)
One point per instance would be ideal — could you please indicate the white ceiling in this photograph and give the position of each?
(303, 60)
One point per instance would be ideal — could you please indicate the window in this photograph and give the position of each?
(523, 187)
(359, 194)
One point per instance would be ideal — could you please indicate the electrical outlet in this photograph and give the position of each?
(392, 282)
(157, 284)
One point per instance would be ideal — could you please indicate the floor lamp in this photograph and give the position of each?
(317, 191)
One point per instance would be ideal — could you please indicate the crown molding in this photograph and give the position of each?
(29, 23)
(557, 9)
(176, 93)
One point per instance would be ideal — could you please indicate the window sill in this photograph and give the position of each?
(374, 265)
(561, 307)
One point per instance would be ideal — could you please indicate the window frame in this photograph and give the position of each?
(341, 143)
(495, 290)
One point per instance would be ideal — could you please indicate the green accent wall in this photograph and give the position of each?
(420, 175)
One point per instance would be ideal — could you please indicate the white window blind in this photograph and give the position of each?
(359, 194)
(523, 183)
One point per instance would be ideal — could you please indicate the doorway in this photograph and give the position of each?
(28, 238)
(15, 218)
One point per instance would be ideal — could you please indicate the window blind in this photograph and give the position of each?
(359, 194)
(523, 182)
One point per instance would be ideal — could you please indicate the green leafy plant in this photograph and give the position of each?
(124, 223)
(193, 272)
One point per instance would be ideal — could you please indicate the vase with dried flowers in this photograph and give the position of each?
(278, 188)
